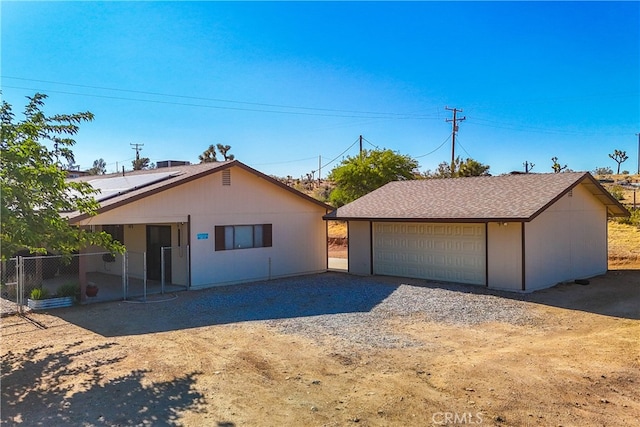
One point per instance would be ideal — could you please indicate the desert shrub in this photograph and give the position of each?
(634, 219)
(39, 293)
(603, 171)
(69, 290)
(617, 192)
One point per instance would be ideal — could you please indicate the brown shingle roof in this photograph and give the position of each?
(489, 198)
(179, 175)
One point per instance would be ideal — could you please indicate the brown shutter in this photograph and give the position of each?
(266, 235)
(219, 238)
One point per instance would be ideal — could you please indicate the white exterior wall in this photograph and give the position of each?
(504, 255)
(567, 241)
(359, 248)
(299, 232)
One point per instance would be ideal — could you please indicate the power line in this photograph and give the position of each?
(439, 147)
(327, 111)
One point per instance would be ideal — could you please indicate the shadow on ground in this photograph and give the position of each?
(34, 390)
(329, 293)
(615, 294)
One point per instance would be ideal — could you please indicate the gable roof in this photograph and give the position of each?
(135, 185)
(475, 199)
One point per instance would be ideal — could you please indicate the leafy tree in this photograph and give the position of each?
(468, 167)
(619, 157)
(557, 168)
(99, 167)
(472, 167)
(34, 189)
(142, 163)
(209, 155)
(224, 150)
(359, 175)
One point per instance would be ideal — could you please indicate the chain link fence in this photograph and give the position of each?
(105, 276)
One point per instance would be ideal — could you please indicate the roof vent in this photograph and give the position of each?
(226, 177)
(170, 163)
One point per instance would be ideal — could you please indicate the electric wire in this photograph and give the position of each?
(322, 112)
(439, 147)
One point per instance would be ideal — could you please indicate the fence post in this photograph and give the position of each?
(144, 274)
(125, 260)
(162, 270)
(20, 284)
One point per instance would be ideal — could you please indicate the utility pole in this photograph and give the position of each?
(138, 148)
(454, 131)
(319, 169)
(360, 147)
(638, 135)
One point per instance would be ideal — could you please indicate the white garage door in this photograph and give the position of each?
(447, 252)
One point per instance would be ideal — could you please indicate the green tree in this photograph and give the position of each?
(619, 157)
(99, 167)
(34, 190)
(466, 168)
(209, 155)
(472, 167)
(359, 175)
(142, 163)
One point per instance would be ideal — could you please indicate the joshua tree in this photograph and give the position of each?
(619, 157)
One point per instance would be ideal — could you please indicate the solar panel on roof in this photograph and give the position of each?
(111, 187)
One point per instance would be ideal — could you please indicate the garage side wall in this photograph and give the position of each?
(359, 248)
(504, 255)
(566, 242)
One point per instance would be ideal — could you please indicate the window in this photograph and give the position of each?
(230, 237)
(116, 232)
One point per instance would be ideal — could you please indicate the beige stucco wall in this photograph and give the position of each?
(504, 255)
(299, 233)
(567, 241)
(359, 247)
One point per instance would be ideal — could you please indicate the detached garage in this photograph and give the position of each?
(512, 232)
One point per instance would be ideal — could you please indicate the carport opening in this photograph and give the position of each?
(338, 245)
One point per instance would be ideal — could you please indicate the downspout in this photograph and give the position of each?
(189, 248)
(371, 248)
(524, 270)
(486, 254)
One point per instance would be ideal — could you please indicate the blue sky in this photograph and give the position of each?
(288, 83)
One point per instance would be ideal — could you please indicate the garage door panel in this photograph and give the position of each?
(447, 252)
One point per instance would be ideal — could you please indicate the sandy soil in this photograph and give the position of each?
(139, 364)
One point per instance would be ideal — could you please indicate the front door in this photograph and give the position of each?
(158, 237)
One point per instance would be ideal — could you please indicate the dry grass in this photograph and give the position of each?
(337, 229)
(624, 246)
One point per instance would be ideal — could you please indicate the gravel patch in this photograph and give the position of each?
(358, 310)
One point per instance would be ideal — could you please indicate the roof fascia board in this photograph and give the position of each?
(434, 220)
(602, 190)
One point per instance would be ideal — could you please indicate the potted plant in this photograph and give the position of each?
(91, 290)
(39, 298)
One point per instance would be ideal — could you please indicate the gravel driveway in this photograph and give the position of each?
(356, 310)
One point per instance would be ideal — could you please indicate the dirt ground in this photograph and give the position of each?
(122, 364)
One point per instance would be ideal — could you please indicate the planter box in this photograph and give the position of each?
(44, 304)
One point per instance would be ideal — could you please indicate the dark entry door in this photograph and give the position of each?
(158, 236)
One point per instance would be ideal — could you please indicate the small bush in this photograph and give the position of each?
(39, 293)
(634, 219)
(617, 192)
(68, 290)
